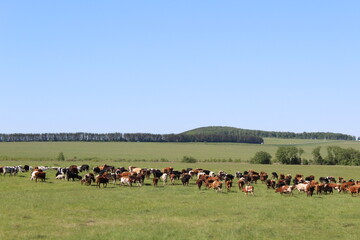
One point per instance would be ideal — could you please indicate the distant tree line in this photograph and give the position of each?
(128, 137)
(304, 135)
(270, 134)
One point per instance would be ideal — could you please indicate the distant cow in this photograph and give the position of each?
(40, 175)
(248, 189)
(285, 189)
(101, 180)
(185, 180)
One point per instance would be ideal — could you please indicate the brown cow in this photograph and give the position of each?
(40, 175)
(155, 181)
(263, 177)
(248, 189)
(101, 180)
(284, 189)
(354, 189)
(228, 185)
(217, 186)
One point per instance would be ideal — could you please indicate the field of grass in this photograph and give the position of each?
(172, 152)
(58, 209)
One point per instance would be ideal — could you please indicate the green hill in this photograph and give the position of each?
(220, 130)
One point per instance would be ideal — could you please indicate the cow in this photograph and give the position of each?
(185, 180)
(274, 176)
(310, 190)
(286, 189)
(87, 179)
(345, 185)
(73, 169)
(40, 175)
(155, 181)
(354, 189)
(11, 170)
(217, 186)
(84, 167)
(168, 170)
(241, 183)
(100, 179)
(263, 177)
(126, 181)
(301, 187)
(248, 189)
(199, 183)
(72, 175)
(164, 178)
(228, 185)
(270, 184)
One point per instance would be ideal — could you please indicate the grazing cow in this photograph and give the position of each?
(199, 183)
(172, 178)
(301, 187)
(11, 170)
(263, 177)
(61, 171)
(310, 178)
(168, 170)
(87, 179)
(84, 167)
(40, 175)
(73, 169)
(285, 189)
(228, 185)
(270, 184)
(126, 181)
(155, 181)
(185, 180)
(217, 186)
(100, 179)
(157, 173)
(335, 186)
(164, 178)
(239, 175)
(248, 189)
(354, 189)
(274, 176)
(310, 190)
(72, 175)
(345, 185)
(139, 179)
(241, 183)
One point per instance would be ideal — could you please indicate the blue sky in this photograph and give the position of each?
(171, 66)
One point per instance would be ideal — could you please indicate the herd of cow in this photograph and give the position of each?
(102, 175)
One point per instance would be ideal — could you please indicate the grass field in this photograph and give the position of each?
(59, 209)
(172, 152)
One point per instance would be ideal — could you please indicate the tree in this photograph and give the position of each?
(61, 157)
(261, 158)
(288, 155)
(318, 159)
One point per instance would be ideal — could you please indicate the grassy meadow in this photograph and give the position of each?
(58, 209)
(169, 152)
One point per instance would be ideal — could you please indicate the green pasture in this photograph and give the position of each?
(169, 152)
(58, 209)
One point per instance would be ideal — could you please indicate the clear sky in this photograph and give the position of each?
(171, 66)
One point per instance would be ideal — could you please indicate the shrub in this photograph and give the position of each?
(61, 157)
(261, 158)
(187, 159)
